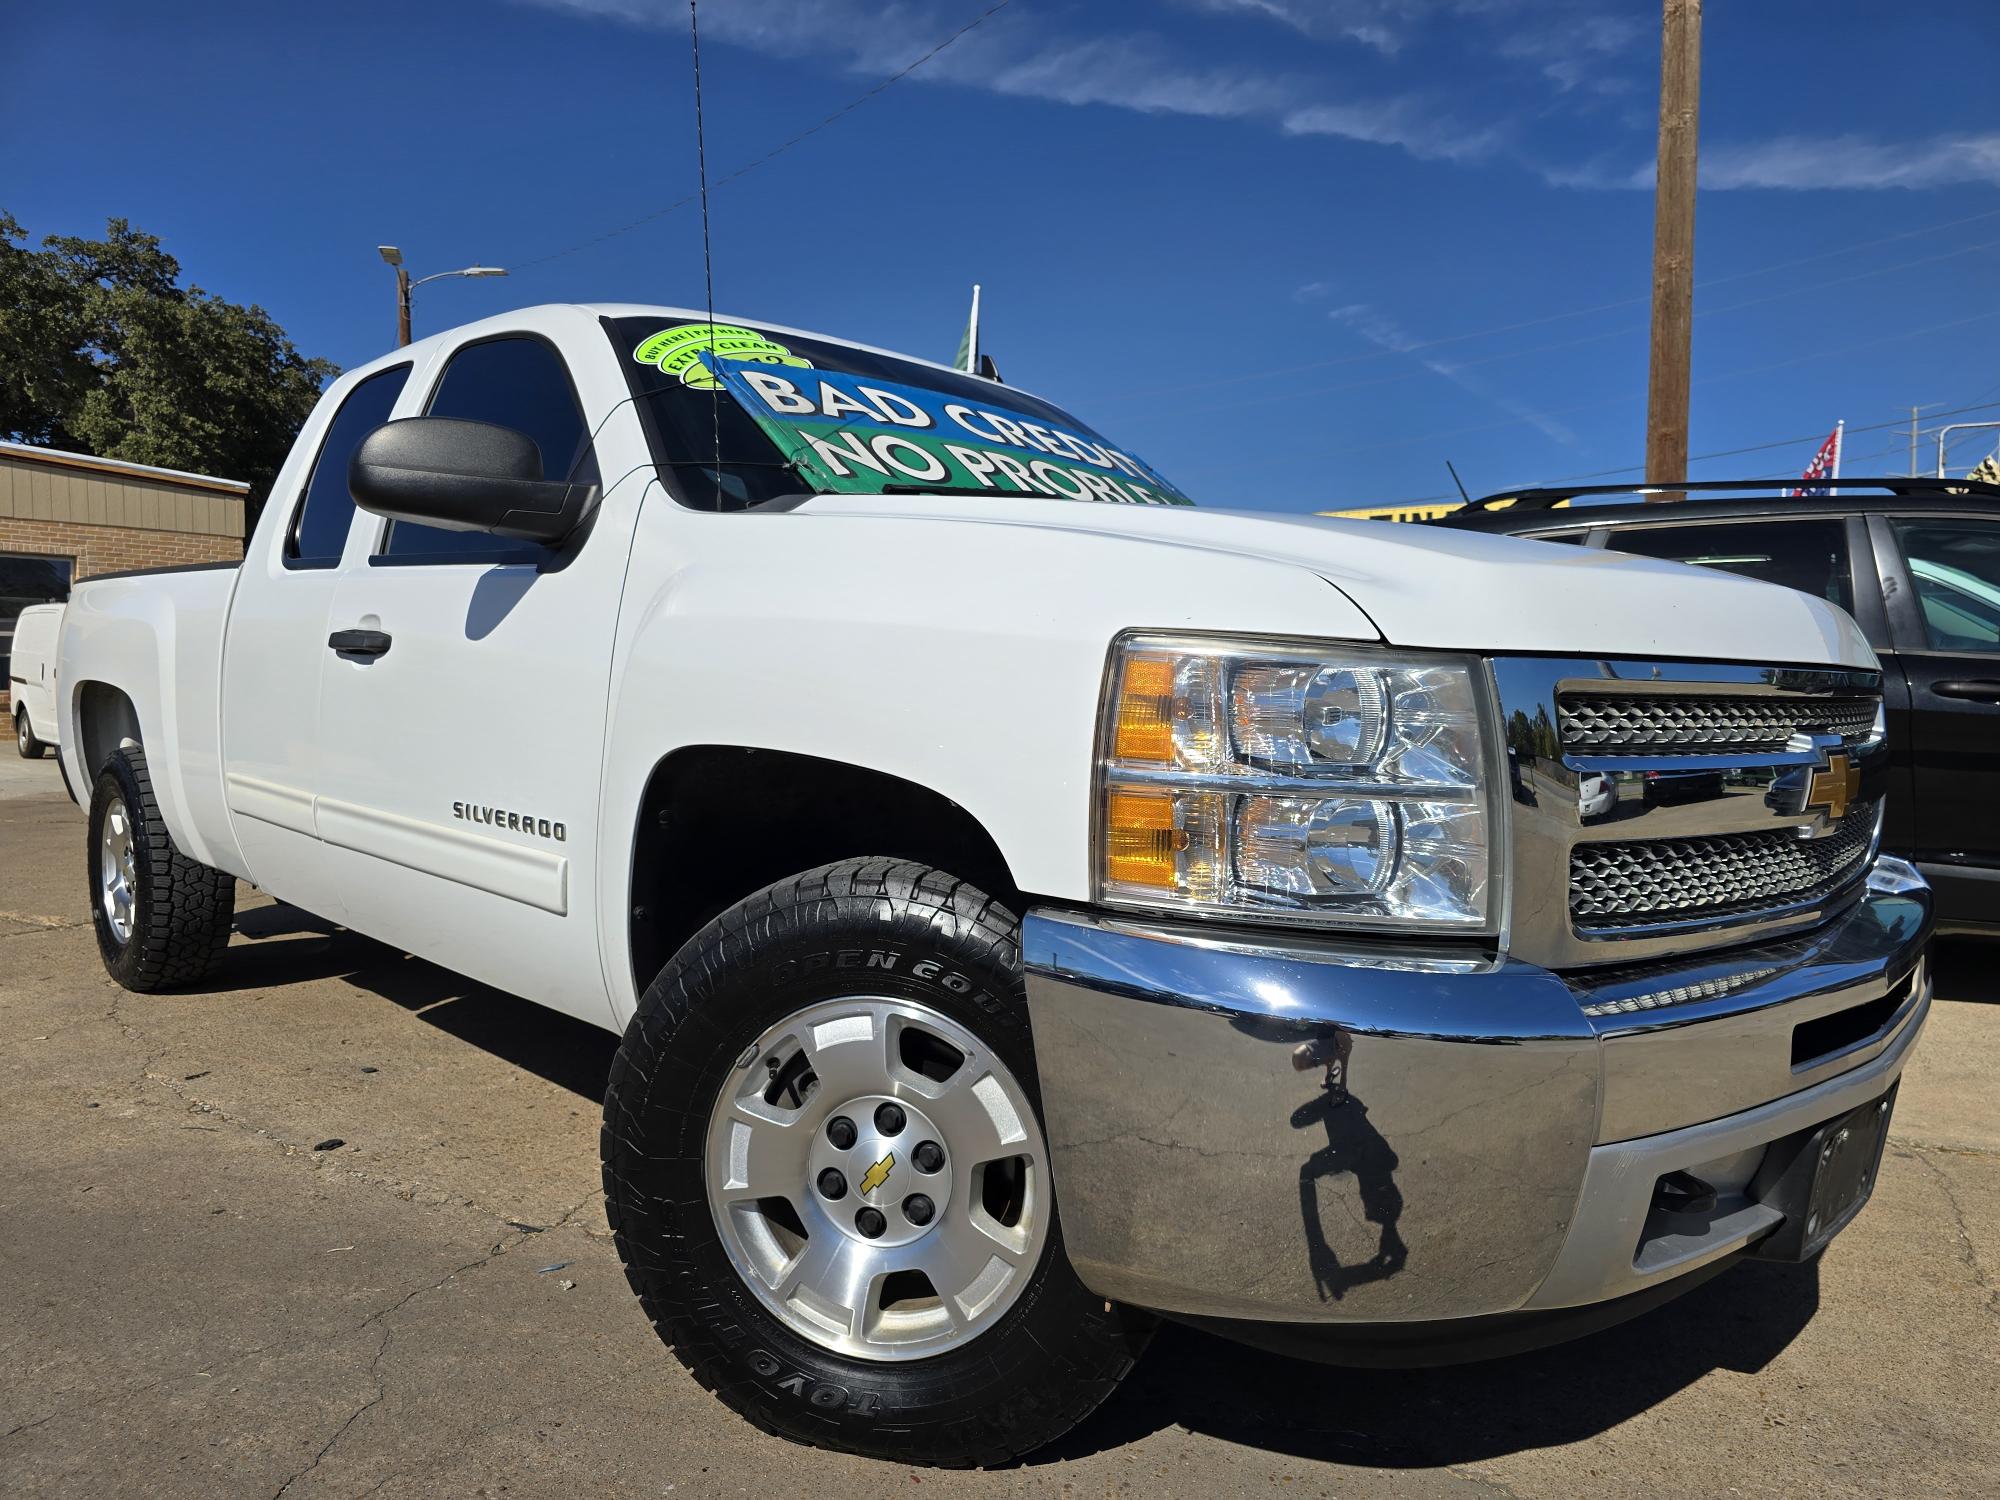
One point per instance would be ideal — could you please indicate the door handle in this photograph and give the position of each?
(359, 642)
(1978, 689)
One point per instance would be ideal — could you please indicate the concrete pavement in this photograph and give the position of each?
(332, 1228)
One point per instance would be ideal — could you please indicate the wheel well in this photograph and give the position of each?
(105, 719)
(720, 822)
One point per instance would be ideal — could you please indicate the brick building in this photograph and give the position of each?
(65, 517)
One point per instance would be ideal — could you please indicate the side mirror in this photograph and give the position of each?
(464, 476)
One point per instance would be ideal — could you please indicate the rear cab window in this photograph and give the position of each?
(319, 525)
(1809, 554)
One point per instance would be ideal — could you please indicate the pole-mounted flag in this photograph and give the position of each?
(967, 358)
(1825, 464)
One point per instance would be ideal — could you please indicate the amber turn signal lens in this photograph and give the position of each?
(1146, 711)
(1140, 840)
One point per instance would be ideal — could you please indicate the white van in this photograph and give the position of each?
(31, 677)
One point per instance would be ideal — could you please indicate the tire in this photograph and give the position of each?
(173, 921)
(24, 736)
(936, 953)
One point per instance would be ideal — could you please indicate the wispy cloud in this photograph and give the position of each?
(1385, 25)
(1418, 125)
(1802, 163)
(1564, 55)
(1851, 162)
(1383, 331)
(1127, 70)
(1579, 51)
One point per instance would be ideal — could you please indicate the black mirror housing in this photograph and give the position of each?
(464, 476)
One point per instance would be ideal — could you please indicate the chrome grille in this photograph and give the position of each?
(1614, 724)
(1663, 881)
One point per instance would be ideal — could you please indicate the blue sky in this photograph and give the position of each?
(1295, 252)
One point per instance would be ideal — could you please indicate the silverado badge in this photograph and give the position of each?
(878, 1174)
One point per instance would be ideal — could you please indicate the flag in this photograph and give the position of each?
(1825, 465)
(967, 358)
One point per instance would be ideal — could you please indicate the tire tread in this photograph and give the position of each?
(182, 925)
(1075, 1373)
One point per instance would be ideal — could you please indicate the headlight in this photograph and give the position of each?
(1339, 786)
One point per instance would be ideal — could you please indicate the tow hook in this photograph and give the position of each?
(1683, 1193)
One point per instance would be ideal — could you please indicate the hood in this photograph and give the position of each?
(1433, 586)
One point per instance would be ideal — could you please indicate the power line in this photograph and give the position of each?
(1810, 437)
(1693, 458)
(1619, 400)
(1301, 392)
(776, 151)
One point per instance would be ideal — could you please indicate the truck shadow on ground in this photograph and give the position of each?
(1385, 1418)
(289, 946)
(1740, 1321)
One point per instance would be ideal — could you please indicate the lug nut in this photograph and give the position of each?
(918, 1209)
(832, 1184)
(889, 1119)
(840, 1130)
(929, 1156)
(870, 1222)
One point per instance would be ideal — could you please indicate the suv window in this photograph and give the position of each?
(1955, 569)
(517, 382)
(319, 526)
(1807, 555)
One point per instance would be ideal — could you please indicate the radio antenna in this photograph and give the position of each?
(1447, 463)
(707, 256)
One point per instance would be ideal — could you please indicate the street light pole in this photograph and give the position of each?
(404, 285)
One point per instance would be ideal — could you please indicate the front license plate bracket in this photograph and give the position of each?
(1821, 1179)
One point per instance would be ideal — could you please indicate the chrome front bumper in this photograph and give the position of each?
(1504, 1127)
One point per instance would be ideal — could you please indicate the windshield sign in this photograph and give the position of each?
(892, 425)
(854, 436)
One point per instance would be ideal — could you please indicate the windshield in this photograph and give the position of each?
(744, 416)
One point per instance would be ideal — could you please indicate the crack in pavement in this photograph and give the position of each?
(1968, 1250)
(380, 1318)
(146, 1073)
(40, 922)
(120, 1394)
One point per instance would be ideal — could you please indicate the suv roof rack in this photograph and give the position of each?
(1546, 497)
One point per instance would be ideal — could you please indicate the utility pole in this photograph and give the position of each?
(1668, 374)
(1913, 442)
(402, 306)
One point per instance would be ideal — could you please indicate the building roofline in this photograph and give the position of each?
(57, 458)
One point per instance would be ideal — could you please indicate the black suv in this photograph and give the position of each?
(1916, 562)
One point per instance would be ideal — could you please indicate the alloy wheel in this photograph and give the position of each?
(117, 869)
(878, 1178)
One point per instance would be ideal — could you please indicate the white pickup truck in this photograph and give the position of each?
(1030, 905)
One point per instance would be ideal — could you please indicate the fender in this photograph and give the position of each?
(157, 641)
(946, 670)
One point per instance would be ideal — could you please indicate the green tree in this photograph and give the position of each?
(104, 351)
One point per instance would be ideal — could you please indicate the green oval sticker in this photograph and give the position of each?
(677, 351)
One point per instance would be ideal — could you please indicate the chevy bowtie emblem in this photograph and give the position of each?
(1829, 790)
(878, 1174)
